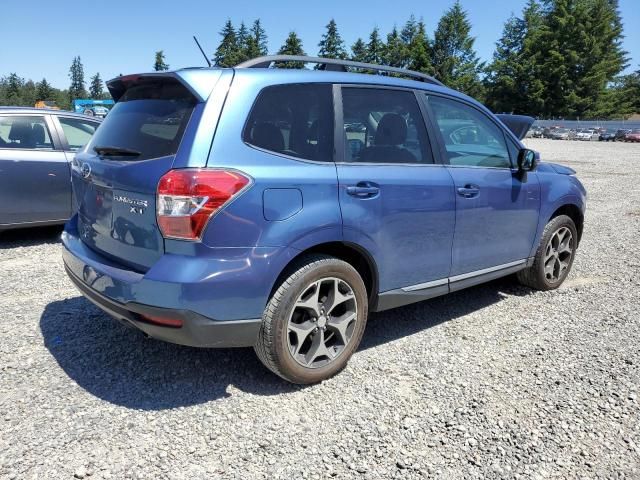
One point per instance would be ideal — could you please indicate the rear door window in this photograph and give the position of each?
(294, 120)
(78, 132)
(25, 132)
(150, 119)
(384, 126)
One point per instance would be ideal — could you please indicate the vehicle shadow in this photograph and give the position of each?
(390, 325)
(28, 237)
(118, 364)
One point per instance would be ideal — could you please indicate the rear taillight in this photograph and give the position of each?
(187, 198)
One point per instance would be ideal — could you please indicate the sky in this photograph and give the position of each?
(118, 36)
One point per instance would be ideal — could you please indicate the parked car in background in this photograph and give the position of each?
(36, 148)
(586, 134)
(561, 134)
(536, 132)
(607, 136)
(96, 111)
(632, 136)
(285, 205)
(620, 134)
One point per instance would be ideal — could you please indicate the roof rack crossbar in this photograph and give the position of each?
(327, 63)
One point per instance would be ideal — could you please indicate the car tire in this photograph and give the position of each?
(306, 323)
(554, 258)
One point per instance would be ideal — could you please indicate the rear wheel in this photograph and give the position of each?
(554, 257)
(314, 321)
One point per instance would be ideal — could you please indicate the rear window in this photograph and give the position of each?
(294, 120)
(150, 118)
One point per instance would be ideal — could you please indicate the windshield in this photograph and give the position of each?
(149, 119)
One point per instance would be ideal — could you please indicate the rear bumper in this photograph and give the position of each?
(196, 330)
(218, 294)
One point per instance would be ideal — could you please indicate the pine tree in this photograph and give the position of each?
(29, 93)
(76, 74)
(577, 51)
(532, 100)
(603, 60)
(228, 52)
(256, 43)
(160, 64)
(14, 85)
(504, 74)
(331, 45)
(242, 36)
(631, 85)
(11, 90)
(260, 37)
(621, 98)
(395, 50)
(359, 51)
(454, 59)
(44, 90)
(292, 46)
(96, 90)
(409, 30)
(375, 48)
(419, 50)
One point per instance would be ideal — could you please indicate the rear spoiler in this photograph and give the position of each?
(518, 124)
(199, 81)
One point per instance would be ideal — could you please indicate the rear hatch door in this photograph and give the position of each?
(116, 176)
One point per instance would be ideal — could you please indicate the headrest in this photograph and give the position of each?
(37, 134)
(21, 131)
(392, 130)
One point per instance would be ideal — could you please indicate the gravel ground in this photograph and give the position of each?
(493, 382)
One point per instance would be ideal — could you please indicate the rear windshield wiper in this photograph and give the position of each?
(116, 151)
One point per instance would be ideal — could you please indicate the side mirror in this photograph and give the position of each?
(527, 160)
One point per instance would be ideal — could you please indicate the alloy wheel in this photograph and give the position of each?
(322, 322)
(558, 254)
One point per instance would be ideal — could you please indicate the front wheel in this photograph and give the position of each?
(554, 257)
(314, 321)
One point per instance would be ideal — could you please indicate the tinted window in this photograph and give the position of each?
(384, 126)
(78, 132)
(470, 138)
(295, 120)
(149, 118)
(25, 132)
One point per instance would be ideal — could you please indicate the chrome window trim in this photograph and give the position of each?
(390, 164)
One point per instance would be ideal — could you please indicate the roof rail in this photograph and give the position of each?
(335, 65)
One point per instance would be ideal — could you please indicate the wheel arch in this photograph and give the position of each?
(574, 212)
(349, 252)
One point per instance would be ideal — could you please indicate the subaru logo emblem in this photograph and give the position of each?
(85, 170)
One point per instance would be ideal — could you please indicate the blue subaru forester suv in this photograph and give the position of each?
(276, 208)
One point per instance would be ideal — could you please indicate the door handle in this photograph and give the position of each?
(469, 191)
(363, 190)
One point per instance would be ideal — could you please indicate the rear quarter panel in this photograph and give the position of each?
(313, 187)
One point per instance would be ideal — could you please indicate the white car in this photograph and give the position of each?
(586, 135)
